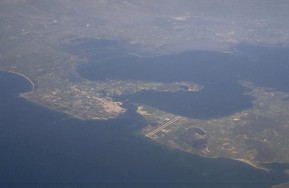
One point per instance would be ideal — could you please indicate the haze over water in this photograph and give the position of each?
(47, 148)
(40, 147)
(218, 72)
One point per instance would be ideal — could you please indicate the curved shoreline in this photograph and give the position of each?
(22, 75)
(245, 161)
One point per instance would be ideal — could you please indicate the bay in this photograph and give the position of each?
(43, 148)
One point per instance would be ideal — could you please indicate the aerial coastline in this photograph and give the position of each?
(22, 75)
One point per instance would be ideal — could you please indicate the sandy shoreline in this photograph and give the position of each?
(22, 75)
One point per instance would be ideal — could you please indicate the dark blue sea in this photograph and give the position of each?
(44, 148)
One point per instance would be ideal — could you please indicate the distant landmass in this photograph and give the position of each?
(144, 93)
